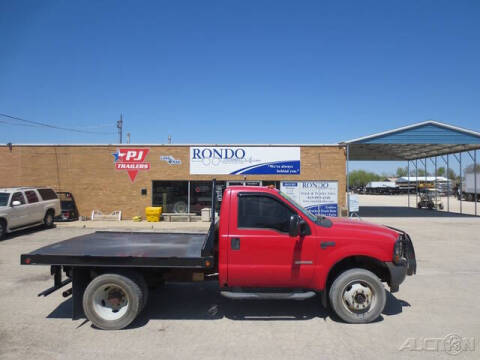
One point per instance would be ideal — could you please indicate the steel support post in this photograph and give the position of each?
(475, 179)
(461, 182)
(408, 178)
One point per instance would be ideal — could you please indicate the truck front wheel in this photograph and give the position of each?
(113, 301)
(357, 296)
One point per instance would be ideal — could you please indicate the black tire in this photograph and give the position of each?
(3, 229)
(357, 280)
(117, 287)
(48, 219)
(140, 280)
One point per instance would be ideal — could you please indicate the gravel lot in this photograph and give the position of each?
(191, 321)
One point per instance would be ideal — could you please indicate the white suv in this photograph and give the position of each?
(21, 208)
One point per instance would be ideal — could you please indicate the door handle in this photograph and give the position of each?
(235, 243)
(325, 244)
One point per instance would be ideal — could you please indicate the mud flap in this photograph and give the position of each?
(80, 280)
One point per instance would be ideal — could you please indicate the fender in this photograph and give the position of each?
(327, 259)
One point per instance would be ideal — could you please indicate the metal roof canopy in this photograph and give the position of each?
(417, 141)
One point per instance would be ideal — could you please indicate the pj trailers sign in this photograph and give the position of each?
(131, 160)
(247, 160)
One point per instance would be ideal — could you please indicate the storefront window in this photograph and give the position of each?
(172, 196)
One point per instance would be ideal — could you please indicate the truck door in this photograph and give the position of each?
(260, 251)
(35, 210)
(17, 215)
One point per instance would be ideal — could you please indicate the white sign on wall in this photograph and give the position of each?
(319, 197)
(244, 160)
(353, 202)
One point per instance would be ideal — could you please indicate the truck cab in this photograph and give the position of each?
(264, 246)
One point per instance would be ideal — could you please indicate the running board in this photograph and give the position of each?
(268, 296)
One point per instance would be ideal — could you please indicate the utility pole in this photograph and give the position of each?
(128, 138)
(120, 128)
(169, 139)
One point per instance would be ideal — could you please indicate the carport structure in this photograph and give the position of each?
(421, 142)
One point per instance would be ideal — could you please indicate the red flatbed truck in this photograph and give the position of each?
(264, 246)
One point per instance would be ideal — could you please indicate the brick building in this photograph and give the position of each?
(177, 177)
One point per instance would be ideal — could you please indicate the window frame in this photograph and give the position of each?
(259, 194)
(34, 193)
(21, 193)
(48, 198)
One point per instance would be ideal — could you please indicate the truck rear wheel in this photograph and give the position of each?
(113, 301)
(357, 296)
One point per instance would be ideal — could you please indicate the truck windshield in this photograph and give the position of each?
(299, 207)
(4, 199)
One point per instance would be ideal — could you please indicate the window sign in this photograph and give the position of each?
(319, 197)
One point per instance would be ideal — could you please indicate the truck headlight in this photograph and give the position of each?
(398, 257)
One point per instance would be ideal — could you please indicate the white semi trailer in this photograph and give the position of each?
(468, 186)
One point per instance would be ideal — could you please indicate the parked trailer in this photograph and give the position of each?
(382, 187)
(470, 192)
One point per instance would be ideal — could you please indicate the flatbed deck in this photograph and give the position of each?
(127, 249)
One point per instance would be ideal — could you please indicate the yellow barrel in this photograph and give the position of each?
(153, 213)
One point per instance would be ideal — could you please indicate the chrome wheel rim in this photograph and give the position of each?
(110, 302)
(359, 297)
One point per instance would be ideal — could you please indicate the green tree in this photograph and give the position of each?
(401, 171)
(451, 174)
(362, 177)
(441, 171)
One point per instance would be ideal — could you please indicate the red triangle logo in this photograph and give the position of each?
(132, 174)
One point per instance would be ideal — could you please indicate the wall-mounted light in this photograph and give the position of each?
(144, 192)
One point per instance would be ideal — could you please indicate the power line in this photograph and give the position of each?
(13, 124)
(38, 123)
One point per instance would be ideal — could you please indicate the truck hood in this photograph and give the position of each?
(364, 229)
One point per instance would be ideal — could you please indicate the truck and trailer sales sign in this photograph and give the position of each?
(319, 197)
(246, 160)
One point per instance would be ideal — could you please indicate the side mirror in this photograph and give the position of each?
(16, 203)
(294, 227)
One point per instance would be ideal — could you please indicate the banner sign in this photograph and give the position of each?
(247, 160)
(319, 197)
(131, 160)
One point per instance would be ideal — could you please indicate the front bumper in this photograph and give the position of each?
(398, 273)
(408, 265)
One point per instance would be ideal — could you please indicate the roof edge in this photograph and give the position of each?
(412, 126)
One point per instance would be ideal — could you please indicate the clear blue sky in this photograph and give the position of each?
(237, 71)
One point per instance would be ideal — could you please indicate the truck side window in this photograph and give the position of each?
(31, 196)
(257, 211)
(18, 196)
